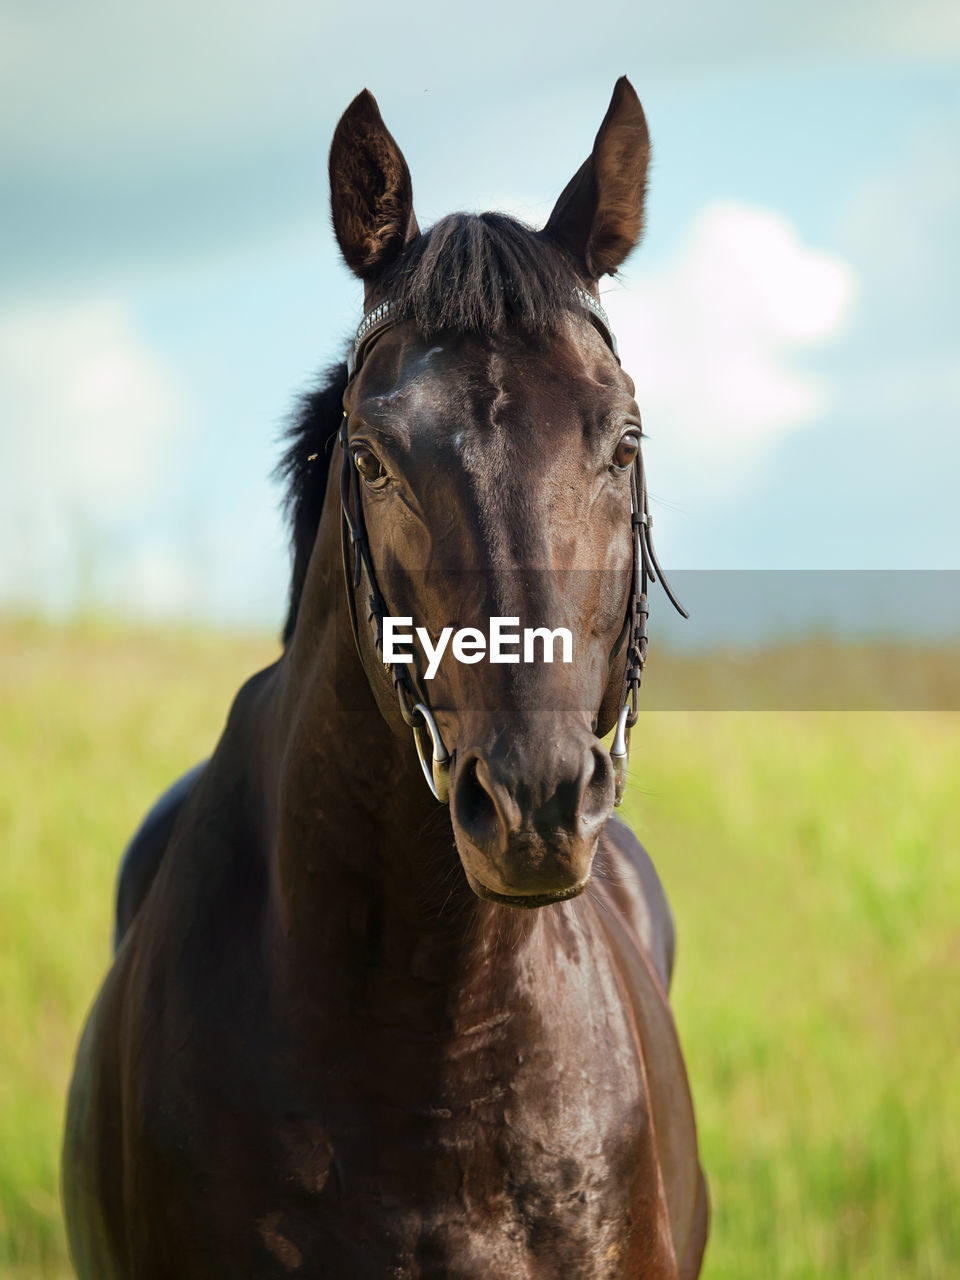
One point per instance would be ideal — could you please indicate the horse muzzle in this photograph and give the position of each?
(527, 821)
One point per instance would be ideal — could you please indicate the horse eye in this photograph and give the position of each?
(369, 465)
(625, 454)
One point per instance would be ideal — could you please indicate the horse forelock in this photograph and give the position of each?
(481, 273)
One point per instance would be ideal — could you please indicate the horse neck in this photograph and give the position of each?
(364, 861)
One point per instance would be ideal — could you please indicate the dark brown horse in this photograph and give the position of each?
(332, 1043)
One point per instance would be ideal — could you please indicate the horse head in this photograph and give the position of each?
(489, 455)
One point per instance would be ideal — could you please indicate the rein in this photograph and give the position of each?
(355, 552)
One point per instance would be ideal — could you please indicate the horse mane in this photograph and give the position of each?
(470, 273)
(304, 468)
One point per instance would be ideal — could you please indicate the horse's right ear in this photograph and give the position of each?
(371, 196)
(598, 217)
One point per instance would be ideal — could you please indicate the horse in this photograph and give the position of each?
(390, 991)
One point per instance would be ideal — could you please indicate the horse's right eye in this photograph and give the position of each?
(625, 454)
(369, 465)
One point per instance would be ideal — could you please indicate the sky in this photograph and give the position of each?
(169, 283)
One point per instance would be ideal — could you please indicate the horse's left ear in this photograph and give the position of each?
(371, 196)
(599, 215)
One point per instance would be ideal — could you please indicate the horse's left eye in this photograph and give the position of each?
(369, 465)
(625, 454)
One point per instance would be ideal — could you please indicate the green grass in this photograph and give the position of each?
(94, 722)
(813, 862)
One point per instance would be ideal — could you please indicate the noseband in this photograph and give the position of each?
(355, 550)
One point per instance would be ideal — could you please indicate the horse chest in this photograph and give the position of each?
(533, 1178)
(488, 1160)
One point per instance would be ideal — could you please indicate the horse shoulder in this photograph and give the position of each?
(639, 928)
(626, 873)
(92, 1156)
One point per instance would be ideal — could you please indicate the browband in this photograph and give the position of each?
(384, 316)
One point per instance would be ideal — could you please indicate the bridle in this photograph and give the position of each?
(355, 550)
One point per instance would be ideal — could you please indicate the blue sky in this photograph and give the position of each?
(170, 282)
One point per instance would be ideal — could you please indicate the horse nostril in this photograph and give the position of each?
(475, 809)
(597, 795)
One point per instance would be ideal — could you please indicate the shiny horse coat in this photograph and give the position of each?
(343, 1036)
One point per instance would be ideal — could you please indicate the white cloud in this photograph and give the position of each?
(708, 339)
(93, 510)
(87, 412)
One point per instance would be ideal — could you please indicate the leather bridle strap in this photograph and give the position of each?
(357, 560)
(413, 705)
(646, 570)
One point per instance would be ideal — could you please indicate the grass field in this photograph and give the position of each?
(813, 861)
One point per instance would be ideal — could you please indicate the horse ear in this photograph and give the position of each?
(371, 196)
(599, 215)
